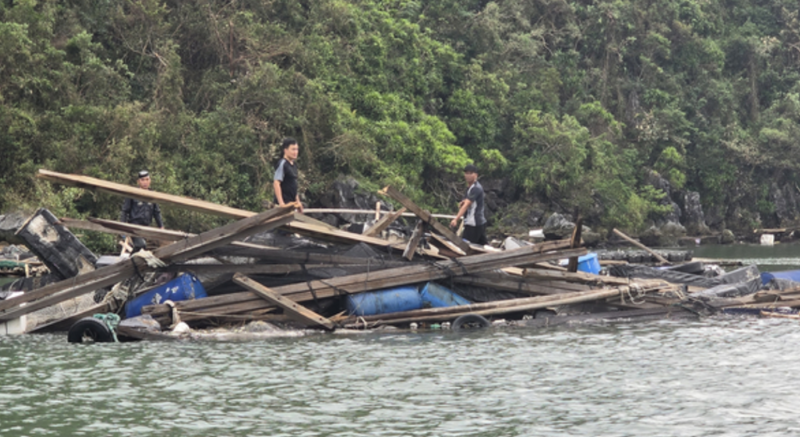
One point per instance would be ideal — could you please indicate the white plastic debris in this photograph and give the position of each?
(181, 328)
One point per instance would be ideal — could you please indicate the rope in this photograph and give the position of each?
(136, 269)
(313, 293)
(460, 264)
(627, 290)
(111, 320)
(338, 291)
(176, 317)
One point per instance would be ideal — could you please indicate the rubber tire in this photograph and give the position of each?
(544, 313)
(470, 321)
(90, 327)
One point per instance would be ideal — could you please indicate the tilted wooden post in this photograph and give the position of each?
(426, 217)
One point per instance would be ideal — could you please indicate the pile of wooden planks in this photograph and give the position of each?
(284, 285)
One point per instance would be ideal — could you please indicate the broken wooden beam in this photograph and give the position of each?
(302, 224)
(384, 222)
(572, 265)
(660, 258)
(289, 306)
(366, 212)
(426, 217)
(413, 242)
(236, 248)
(519, 285)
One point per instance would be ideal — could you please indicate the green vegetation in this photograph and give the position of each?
(574, 100)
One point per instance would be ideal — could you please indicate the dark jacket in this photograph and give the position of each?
(141, 213)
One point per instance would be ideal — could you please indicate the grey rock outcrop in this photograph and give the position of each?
(727, 237)
(558, 227)
(666, 235)
(694, 220)
(785, 203)
(347, 194)
(10, 224)
(659, 183)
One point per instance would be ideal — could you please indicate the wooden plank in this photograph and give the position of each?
(413, 242)
(301, 224)
(288, 305)
(384, 223)
(127, 229)
(517, 286)
(339, 235)
(277, 255)
(144, 195)
(184, 249)
(362, 282)
(447, 245)
(86, 282)
(127, 331)
(641, 246)
(425, 216)
(245, 269)
(236, 248)
(580, 277)
(366, 212)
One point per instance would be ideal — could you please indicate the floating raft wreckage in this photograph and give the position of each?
(257, 276)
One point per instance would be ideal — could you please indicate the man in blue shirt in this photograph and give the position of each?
(471, 208)
(285, 180)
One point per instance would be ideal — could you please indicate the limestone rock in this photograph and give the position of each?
(557, 227)
(665, 235)
(346, 193)
(10, 224)
(727, 237)
(694, 220)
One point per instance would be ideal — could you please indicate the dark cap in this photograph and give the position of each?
(470, 169)
(144, 174)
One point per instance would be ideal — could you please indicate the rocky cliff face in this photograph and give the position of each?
(347, 194)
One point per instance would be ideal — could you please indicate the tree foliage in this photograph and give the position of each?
(571, 99)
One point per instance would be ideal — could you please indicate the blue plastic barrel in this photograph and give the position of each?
(184, 287)
(437, 296)
(589, 263)
(792, 275)
(384, 301)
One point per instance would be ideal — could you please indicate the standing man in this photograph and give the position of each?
(285, 180)
(472, 206)
(138, 212)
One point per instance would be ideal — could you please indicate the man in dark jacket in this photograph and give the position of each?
(138, 212)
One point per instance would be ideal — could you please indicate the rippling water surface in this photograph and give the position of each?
(717, 376)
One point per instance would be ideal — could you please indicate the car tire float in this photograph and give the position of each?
(90, 330)
(470, 321)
